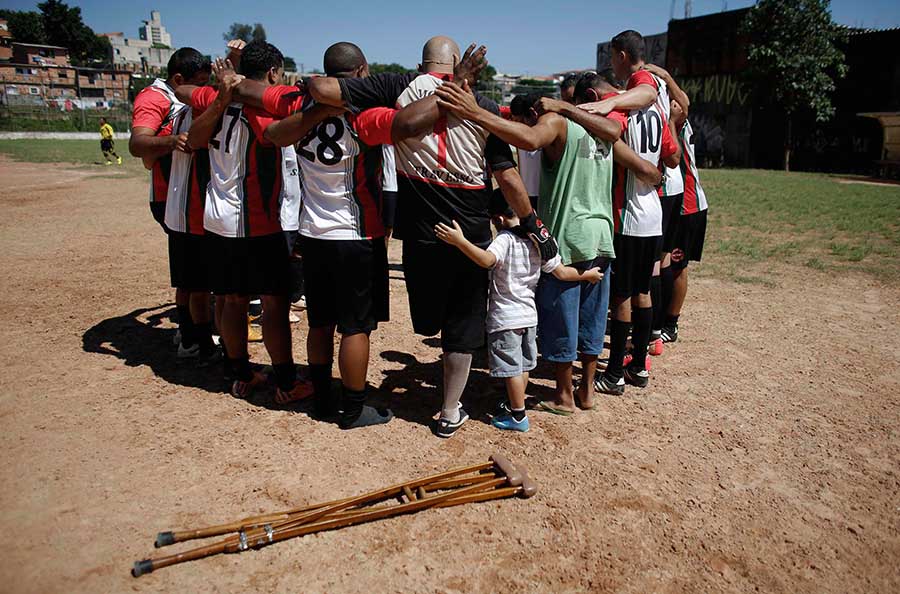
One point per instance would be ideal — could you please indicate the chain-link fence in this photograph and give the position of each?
(34, 106)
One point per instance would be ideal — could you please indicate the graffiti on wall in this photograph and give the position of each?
(724, 89)
(709, 140)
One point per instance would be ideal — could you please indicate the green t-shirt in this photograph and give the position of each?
(576, 197)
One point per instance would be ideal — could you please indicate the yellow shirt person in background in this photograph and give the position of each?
(107, 144)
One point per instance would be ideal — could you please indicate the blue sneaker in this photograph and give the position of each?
(509, 423)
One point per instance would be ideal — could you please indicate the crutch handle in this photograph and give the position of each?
(142, 567)
(513, 476)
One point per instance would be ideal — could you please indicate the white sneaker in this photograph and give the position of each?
(300, 305)
(293, 318)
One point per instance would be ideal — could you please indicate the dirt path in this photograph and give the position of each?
(765, 456)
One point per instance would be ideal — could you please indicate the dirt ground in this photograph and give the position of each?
(765, 455)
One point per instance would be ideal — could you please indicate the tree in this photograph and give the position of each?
(290, 64)
(63, 26)
(25, 26)
(259, 33)
(377, 68)
(246, 32)
(487, 74)
(794, 59)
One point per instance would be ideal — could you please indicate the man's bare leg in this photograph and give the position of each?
(679, 291)
(586, 387)
(353, 361)
(564, 398)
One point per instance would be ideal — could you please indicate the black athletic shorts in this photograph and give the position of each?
(248, 265)
(158, 210)
(188, 261)
(671, 213)
(346, 283)
(447, 294)
(689, 240)
(633, 266)
(106, 145)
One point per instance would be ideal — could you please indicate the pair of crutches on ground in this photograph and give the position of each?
(496, 479)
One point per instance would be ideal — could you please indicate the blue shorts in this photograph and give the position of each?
(512, 352)
(572, 316)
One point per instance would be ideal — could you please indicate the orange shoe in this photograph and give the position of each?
(301, 390)
(655, 347)
(245, 389)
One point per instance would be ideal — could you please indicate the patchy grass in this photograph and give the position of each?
(79, 152)
(805, 219)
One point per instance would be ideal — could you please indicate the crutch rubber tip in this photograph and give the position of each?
(164, 539)
(142, 567)
(513, 476)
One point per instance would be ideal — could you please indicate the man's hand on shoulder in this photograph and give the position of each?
(458, 100)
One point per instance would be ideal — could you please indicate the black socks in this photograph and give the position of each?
(518, 414)
(186, 326)
(642, 319)
(667, 280)
(618, 336)
(355, 413)
(325, 404)
(657, 301)
(285, 375)
(240, 368)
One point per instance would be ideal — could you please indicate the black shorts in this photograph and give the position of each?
(346, 283)
(671, 213)
(158, 210)
(447, 294)
(188, 261)
(248, 265)
(106, 145)
(689, 240)
(633, 266)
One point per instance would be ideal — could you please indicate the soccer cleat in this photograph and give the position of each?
(191, 352)
(655, 348)
(638, 378)
(245, 389)
(301, 390)
(509, 423)
(670, 333)
(444, 428)
(607, 386)
(118, 160)
(626, 361)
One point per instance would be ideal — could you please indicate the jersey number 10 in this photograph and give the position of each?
(651, 131)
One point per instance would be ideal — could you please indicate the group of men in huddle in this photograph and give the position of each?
(250, 171)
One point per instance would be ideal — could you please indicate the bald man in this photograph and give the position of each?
(441, 179)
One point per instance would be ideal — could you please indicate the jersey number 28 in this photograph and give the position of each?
(328, 150)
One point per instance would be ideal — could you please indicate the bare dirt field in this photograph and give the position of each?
(765, 455)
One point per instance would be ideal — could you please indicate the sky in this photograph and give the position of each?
(523, 37)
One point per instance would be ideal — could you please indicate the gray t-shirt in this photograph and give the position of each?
(513, 280)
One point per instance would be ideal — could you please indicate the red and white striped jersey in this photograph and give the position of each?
(188, 179)
(694, 196)
(636, 207)
(243, 197)
(155, 107)
(341, 167)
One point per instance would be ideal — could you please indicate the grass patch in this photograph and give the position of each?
(805, 219)
(78, 152)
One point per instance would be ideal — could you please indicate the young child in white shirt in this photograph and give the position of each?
(515, 266)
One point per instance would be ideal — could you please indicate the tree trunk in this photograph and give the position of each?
(787, 145)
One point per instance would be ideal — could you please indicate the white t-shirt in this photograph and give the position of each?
(530, 170)
(290, 190)
(513, 280)
(389, 169)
